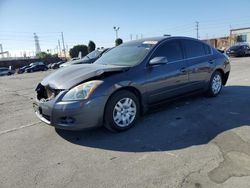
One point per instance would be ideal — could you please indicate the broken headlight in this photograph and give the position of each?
(82, 91)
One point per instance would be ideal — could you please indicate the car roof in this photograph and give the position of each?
(163, 38)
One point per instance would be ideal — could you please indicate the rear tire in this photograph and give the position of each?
(215, 84)
(122, 111)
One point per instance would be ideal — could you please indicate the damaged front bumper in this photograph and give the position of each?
(71, 115)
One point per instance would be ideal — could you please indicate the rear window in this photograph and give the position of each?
(194, 48)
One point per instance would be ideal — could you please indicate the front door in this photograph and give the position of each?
(169, 79)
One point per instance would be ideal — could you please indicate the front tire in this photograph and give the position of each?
(215, 84)
(122, 111)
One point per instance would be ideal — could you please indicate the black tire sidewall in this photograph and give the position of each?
(108, 116)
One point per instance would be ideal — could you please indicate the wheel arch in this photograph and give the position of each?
(224, 75)
(131, 89)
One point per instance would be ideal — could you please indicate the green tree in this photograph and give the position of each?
(74, 52)
(55, 55)
(118, 41)
(91, 46)
(43, 55)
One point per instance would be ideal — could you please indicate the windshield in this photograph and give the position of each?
(128, 54)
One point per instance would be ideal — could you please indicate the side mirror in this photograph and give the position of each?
(158, 60)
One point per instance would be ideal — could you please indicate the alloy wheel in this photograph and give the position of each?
(124, 112)
(216, 84)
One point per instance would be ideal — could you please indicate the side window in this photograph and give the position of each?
(207, 49)
(193, 48)
(171, 50)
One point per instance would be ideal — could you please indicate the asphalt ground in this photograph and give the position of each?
(194, 142)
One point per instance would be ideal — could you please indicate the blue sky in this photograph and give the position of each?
(84, 20)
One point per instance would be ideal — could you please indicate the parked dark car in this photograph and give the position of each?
(88, 59)
(22, 69)
(6, 71)
(56, 65)
(50, 66)
(127, 80)
(38, 66)
(239, 50)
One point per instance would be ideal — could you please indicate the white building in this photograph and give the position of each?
(241, 35)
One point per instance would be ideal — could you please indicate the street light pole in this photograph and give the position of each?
(116, 29)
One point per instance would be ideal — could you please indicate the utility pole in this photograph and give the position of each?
(63, 45)
(59, 45)
(230, 35)
(37, 45)
(116, 29)
(67, 48)
(197, 29)
(1, 49)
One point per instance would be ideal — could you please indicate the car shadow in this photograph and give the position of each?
(191, 121)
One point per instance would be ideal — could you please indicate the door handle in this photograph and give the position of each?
(183, 70)
(211, 61)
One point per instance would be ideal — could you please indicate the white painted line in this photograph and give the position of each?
(18, 128)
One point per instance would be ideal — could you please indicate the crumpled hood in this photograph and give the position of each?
(67, 77)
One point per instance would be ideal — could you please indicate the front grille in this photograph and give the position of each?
(46, 93)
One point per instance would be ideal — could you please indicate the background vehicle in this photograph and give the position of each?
(49, 65)
(22, 69)
(75, 58)
(56, 65)
(239, 50)
(39, 66)
(5, 71)
(127, 80)
(88, 59)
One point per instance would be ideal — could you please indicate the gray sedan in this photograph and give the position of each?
(127, 80)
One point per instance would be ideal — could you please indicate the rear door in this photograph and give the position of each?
(200, 62)
(169, 79)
